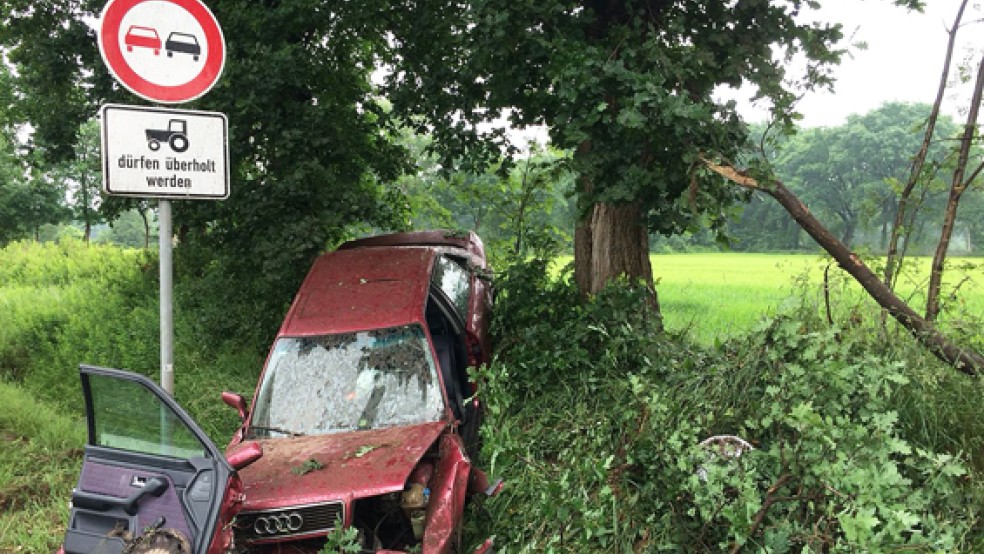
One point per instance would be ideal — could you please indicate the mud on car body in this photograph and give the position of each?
(365, 412)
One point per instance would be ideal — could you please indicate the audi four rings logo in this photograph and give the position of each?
(278, 524)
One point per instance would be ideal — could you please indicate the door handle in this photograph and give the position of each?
(100, 502)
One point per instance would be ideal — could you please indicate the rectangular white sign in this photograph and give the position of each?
(164, 153)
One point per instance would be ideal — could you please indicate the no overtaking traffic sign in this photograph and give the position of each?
(168, 51)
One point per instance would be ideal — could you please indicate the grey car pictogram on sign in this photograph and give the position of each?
(183, 43)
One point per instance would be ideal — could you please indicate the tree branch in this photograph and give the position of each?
(964, 360)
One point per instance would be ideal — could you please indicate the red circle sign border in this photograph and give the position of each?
(109, 47)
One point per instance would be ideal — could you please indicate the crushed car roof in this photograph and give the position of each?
(466, 240)
(359, 289)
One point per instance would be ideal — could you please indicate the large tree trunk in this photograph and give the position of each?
(610, 243)
(958, 186)
(964, 360)
(582, 255)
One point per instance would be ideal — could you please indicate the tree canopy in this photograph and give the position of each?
(631, 86)
(849, 174)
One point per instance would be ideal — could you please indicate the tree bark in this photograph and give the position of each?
(893, 259)
(957, 188)
(612, 242)
(582, 255)
(583, 231)
(146, 224)
(620, 244)
(964, 360)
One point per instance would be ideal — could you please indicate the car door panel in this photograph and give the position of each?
(146, 466)
(120, 481)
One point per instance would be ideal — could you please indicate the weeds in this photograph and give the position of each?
(596, 421)
(40, 453)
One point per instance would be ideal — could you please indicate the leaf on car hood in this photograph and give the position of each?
(307, 467)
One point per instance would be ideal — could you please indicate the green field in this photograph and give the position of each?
(719, 295)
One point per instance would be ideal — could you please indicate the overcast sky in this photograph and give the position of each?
(902, 62)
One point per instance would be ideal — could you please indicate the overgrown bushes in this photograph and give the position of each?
(69, 303)
(596, 421)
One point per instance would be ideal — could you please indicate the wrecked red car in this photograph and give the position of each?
(365, 414)
(365, 410)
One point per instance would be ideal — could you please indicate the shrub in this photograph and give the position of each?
(65, 304)
(596, 420)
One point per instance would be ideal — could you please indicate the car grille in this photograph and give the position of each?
(288, 522)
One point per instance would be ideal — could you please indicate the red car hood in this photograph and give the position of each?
(342, 466)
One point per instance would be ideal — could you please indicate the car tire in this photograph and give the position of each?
(170, 54)
(154, 145)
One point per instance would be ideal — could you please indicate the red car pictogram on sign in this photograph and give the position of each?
(142, 37)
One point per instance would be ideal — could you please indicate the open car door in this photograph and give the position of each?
(151, 480)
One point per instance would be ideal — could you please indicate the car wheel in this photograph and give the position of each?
(179, 143)
(196, 58)
(170, 54)
(157, 52)
(153, 145)
(129, 49)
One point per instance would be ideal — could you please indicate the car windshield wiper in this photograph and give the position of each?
(275, 430)
(368, 416)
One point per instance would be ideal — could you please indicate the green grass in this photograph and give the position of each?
(40, 456)
(716, 296)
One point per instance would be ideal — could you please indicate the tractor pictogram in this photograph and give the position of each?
(176, 136)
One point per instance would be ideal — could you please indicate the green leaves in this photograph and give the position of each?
(595, 420)
(629, 87)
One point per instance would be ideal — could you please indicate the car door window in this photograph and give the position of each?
(452, 277)
(151, 429)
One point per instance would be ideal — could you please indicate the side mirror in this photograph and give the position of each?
(246, 454)
(236, 401)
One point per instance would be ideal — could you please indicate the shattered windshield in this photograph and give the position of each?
(333, 383)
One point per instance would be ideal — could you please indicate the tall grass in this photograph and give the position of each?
(66, 304)
(717, 296)
(713, 297)
(40, 451)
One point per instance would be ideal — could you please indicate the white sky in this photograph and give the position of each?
(902, 62)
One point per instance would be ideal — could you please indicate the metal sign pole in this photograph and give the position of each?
(167, 310)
